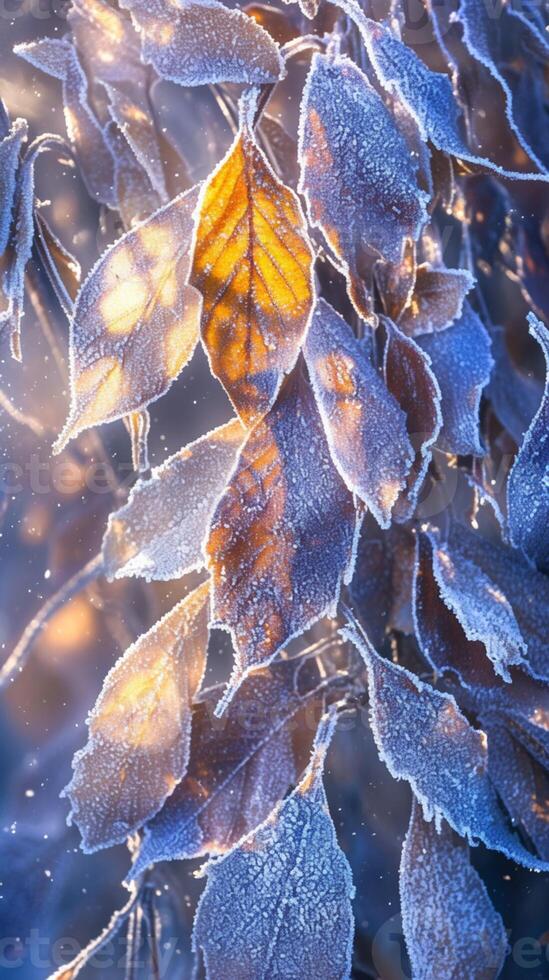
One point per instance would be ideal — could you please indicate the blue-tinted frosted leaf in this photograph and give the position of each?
(423, 737)
(59, 58)
(382, 583)
(437, 300)
(10, 148)
(279, 904)
(528, 484)
(140, 727)
(364, 425)
(514, 395)
(483, 610)
(427, 94)
(359, 179)
(482, 40)
(61, 266)
(461, 362)
(283, 534)
(410, 380)
(522, 783)
(159, 533)
(136, 320)
(200, 43)
(240, 765)
(450, 925)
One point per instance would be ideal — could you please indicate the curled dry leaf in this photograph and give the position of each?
(136, 320)
(437, 299)
(201, 42)
(277, 552)
(160, 531)
(364, 425)
(446, 936)
(11, 142)
(249, 919)
(358, 177)
(140, 727)
(253, 266)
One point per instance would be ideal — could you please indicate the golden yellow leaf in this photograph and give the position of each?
(136, 320)
(252, 264)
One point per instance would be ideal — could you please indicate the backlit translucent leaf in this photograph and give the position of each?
(252, 264)
(96, 165)
(140, 727)
(528, 483)
(282, 536)
(136, 320)
(423, 737)
(359, 179)
(10, 148)
(160, 531)
(365, 427)
(483, 610)
(450, 925)
(136, 198)
(410, 380)
(279, 904)
(522, 783)
(427, 94)
(240, 766)
(199, 43)
(461, 362)
(482, 40)
(437, 299)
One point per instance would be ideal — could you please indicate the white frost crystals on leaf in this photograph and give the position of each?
(279, 903)
(357, 174)
(10, 148)
(450, 925)
(201, 42)
(140, 727)
(158, 534)
(136, 320)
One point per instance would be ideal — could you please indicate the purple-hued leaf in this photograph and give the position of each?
(364, 425)
(437, 299)
(381, 587)
(450, 925)
(279, 552)
(461, 362)
(140, 727)
(358, 177)
(423, 737)
(201, 43)
(279, 904)
(10, 149)
(411, 381)
(521, 781)
(240, 765)
(514, 395)
(528, 483)
(159, 533)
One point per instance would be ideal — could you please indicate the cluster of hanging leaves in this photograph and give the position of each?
(384, 477)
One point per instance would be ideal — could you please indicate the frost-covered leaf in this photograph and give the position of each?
(381, 587)
(140, 727)
(252, 264)
(528, 483)
(482, 40)
(461, 362)
(200, 42)
(483, 610)
(136, 320)
(427, 94)
(279, 904)
(61, 266)
(450, 925)
(364, 425)
(240, 765)
(514, 395)
(423, 737)
(59, 58)
(136, 198)
(521, 781)
(159, 533)
(359, 179)
(437, 299)
(410, 380)
(282, 536)
(10, 149)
